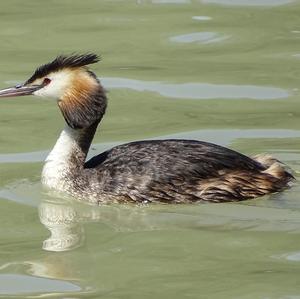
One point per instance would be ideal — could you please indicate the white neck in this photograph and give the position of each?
(58, 164)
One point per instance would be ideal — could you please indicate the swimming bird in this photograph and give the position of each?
(168, 171)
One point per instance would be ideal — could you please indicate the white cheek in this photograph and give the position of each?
(52, 91)
(57, 87)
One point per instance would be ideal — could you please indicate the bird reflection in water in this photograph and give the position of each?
(64, 224)
(65, 220)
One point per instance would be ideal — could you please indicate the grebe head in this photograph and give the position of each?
(80, 96)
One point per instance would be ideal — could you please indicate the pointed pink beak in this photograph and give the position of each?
(19, 90)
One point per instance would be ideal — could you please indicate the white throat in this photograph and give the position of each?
(58, 163)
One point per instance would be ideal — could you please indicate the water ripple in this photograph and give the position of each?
(200, 37)
(198, 90)
(171, 1)
(14, 284)
(250, 2)
(201, 18)
(293, 256)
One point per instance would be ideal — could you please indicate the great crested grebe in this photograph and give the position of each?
(170, 171)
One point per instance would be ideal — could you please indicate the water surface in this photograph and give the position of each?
(224, 71)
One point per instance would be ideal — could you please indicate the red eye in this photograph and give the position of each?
(46, 81)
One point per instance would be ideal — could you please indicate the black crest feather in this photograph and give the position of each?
(61, 62)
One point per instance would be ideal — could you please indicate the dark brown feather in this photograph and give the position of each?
(180, 171)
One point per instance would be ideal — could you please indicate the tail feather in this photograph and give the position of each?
(240, 185)
(274, 167)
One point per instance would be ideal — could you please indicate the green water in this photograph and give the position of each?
(226, 71)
